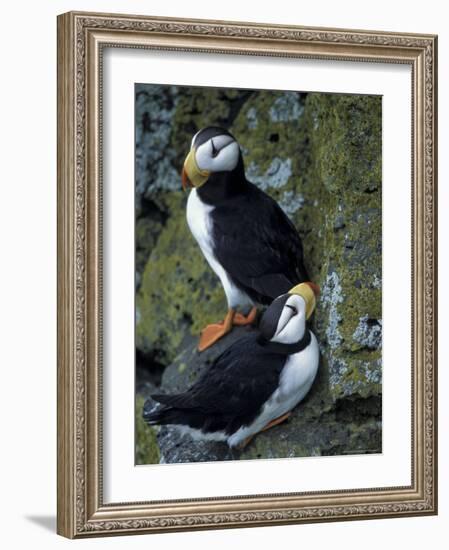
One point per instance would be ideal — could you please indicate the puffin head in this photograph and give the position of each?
(285, 319)
(213, 149)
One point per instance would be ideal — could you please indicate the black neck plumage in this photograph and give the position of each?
(286, 349)
(222, 186)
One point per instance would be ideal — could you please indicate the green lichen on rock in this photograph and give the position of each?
(147, 448)
(147, 232)
(319, 156)
(344, 195)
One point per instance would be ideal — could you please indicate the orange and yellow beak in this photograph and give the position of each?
(309, 292)
(192, 175)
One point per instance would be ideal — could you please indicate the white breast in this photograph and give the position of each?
(295, 381)
(200, 224)
(298, 374)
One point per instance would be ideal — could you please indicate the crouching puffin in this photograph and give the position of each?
(243, 233)
(255, 383)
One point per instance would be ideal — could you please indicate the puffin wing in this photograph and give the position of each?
(258, 245)
(239, 382)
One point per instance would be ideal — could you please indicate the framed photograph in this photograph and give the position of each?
(246, 274)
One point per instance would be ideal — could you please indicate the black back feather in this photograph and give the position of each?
(257, 244)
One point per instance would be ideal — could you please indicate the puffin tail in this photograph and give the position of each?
(155, 414)
(161, 413)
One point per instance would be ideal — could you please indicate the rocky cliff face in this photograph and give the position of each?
(319, 156)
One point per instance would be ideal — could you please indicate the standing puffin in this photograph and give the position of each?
(255, 383)
(243, 233)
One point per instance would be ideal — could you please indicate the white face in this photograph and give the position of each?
(292, 322)
(218, 154)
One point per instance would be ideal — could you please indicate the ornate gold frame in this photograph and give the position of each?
(81, 37)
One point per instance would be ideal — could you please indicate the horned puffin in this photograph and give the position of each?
(255, 383)
(243, 233)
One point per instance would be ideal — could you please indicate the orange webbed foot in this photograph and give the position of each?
(242, 320)
(211, 334)
(276, 421)
(214, 332)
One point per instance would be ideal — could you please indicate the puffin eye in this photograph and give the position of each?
(295, 311)
(215, 151)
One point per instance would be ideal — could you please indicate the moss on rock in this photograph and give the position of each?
(147, 448)
(344, 193)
